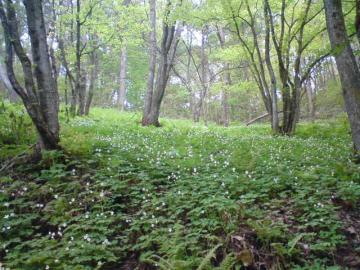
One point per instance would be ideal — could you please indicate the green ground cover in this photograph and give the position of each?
(184, 196)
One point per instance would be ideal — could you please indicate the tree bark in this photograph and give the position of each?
(347, 66)
(82, 92)
(274, 107)
(152, 62)
(80, 87)
(170, 40)
(93, 76)
(41, 98)
(13, 97)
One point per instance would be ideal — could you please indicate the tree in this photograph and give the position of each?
(259, 59)
(203, 74)
(225, 118)
(293, 73)
(347, 66)
(274, 102)
(4, 79)
(152, 62)
(170, 39)
(39, 94)
(76, 27)
(94, 69)
(122, 74)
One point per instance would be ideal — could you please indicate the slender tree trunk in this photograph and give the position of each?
(332, 70)
(347, 66)
(82, 92)
(274, 107)
(225, 97)
(204, 76)
(225, 118)
(261, 70)
(93, 77)
(192, 99)
(152, 63)
(122, 79)
(80, 89)
(311, 101)
(13, 97)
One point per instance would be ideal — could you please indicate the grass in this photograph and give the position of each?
(183, 196)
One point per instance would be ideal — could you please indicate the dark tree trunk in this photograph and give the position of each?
(40, 98)
(347, 67)
(170, 40)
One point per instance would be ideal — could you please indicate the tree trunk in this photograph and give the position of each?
(225, 119)
(79, 90)
(170, 40)
(274, 107)
(357, 19)
(69, 75)
(162, 77)
(41, 98)
(347, 67)
(122, 79)
(48, 95)
(93, 77)
(13, 97)
(204, 76)
(225, 97)
(311, 101)
(152, 63)
(82, 93)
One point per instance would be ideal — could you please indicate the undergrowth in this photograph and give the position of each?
(182, 196)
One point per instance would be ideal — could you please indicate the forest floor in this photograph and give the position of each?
(183, 196)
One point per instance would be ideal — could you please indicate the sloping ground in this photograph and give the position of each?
(184, 197)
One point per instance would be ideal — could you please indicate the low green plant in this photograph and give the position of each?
(128, 195)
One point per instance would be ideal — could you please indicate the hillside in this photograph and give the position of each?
(183, 196)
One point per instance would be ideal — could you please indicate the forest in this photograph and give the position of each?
(180, 134)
